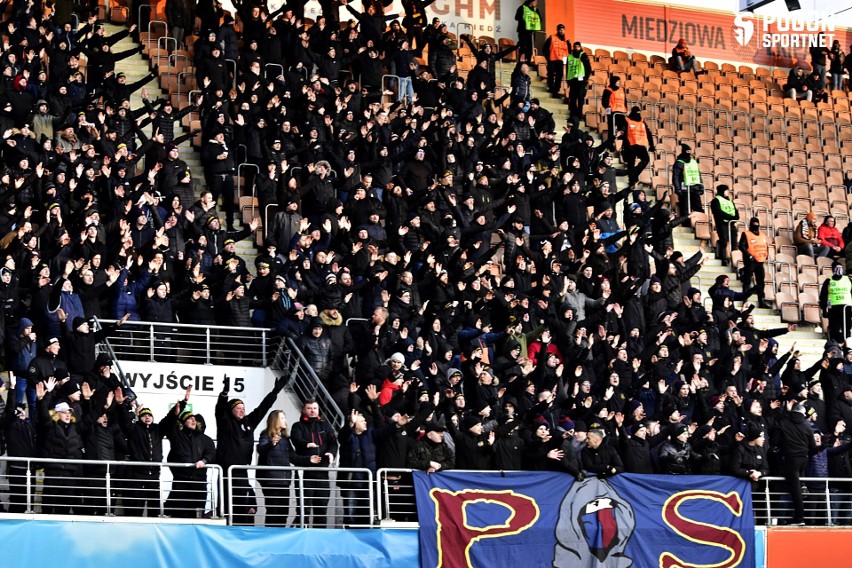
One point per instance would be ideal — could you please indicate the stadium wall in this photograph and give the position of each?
(656, 28)
(152, 545)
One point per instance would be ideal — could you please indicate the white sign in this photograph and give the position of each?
(160, 385)
(800, 29)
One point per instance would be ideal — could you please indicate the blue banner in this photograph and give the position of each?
(147, 545)
(472, 520)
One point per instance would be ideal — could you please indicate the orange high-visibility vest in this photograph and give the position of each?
(558, 48)
(637, 134)
(757, 246)
(617, 100)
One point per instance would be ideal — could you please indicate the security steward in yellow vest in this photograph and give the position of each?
(614, 102)
(578, 71)
(725, 215)
(686, 179)
(555, 50)
(835, 299)
(529, 22)
(755, 248)
(639, 144)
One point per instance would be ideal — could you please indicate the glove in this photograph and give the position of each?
(280, 383)
(227, 386)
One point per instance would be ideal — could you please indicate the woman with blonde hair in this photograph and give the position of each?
(274, 449)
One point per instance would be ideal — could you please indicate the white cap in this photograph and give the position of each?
(62, 407)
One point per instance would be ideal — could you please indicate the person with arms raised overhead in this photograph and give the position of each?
(235, 433)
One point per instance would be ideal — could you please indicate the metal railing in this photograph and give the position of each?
(332, 497)
(396, 495)
(303, 381)
(189, 343)
(312, 497)
(827, 500)
(111, 488)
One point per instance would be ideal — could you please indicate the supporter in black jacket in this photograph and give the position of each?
(60, 437)
(474, 447)
(80, 343)
(189, 445)
(797, 445)
(235, 433)
(636, 450)
(313, 436)
(145, 444)
(598, 457)
(20, 435)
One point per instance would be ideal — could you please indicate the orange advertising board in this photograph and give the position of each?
(743, 38)
(791, 548)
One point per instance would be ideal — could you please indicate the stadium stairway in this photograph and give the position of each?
(809, 341)
(136, 67)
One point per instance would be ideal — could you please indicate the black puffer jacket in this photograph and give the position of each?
(59, 440)
(797, 438)
(189, 446)
(235, 436)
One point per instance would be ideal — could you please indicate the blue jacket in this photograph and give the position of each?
(126, 298)
(357, 451)
(21, 350)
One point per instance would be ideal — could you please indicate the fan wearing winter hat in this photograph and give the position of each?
(797, 445)
(474, 448)
(749, 460)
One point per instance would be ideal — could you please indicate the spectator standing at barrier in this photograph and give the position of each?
(686, 179)
(578, 72)
(313, 436)
(835, 300)
(725, 216)
(430, 453)
(20, 435)
(640, 145)
(358, 450)
(797, 445)
(682, 59)
(755, 248)
(145, 444)
(555, 51)
(529, 22)
(599, 457)
(190, 445)
(99, 436)
(80, 342)
(275, 449)
(60, 437)
(235, 437)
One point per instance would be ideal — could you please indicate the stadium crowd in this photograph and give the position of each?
(445, 262)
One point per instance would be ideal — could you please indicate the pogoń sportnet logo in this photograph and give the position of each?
(806, 29)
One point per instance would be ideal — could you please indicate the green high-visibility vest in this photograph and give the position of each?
(691, 175)
(727, 206)
(840, 291)
(573, 67)
(532, 21)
